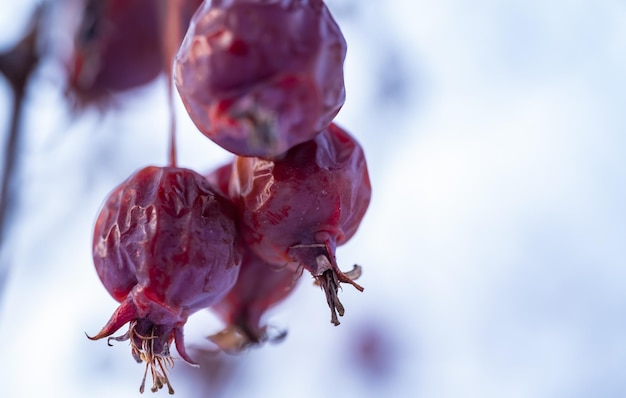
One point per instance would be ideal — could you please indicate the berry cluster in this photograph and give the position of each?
(263, 79)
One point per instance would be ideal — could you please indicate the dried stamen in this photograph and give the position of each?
(329, 282)
(158, 364)
(330, 285)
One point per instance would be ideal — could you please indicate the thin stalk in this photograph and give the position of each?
(170, 40)
(172, 115)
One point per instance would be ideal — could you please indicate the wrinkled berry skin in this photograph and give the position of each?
(259, 287)
(259, 77)
(297, 209)
(220, 180)
(165, 245)
(319, 190)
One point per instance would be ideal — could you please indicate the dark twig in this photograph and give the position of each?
(17, 65)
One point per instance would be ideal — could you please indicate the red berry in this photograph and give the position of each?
(117, 47)
(165, 246)
(299, 208)
(258, 77)
(259, 287)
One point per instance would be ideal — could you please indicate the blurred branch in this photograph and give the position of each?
(17, 65)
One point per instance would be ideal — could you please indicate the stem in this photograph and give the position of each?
(172, 114)
(170, 40)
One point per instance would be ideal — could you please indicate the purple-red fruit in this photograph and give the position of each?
(118, 46)
(259, 287)
(164, 246)
(258, 77)
(297, 209)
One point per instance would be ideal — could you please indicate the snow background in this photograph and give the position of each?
(494, 249)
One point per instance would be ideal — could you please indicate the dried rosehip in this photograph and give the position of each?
(299, 208)
(165, 246)
(259, 287)
(258, 77)
(118, 46)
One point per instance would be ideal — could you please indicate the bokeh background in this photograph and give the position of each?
(494, 249)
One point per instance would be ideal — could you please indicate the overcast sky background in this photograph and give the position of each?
(494, 249)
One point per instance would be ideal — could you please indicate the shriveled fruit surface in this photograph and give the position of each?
(259, 287)
(297, 209)
(264, 80)
(165, 246)
(258, 77)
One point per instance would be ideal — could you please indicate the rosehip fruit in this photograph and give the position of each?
(259, 287)
(297, 209)
(118, 46)
(258, 77)
(164, 246)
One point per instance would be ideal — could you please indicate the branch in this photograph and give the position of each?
(17, 65)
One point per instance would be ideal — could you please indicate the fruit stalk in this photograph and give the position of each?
(170, 18)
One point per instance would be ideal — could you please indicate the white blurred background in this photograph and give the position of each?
(494, 249)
